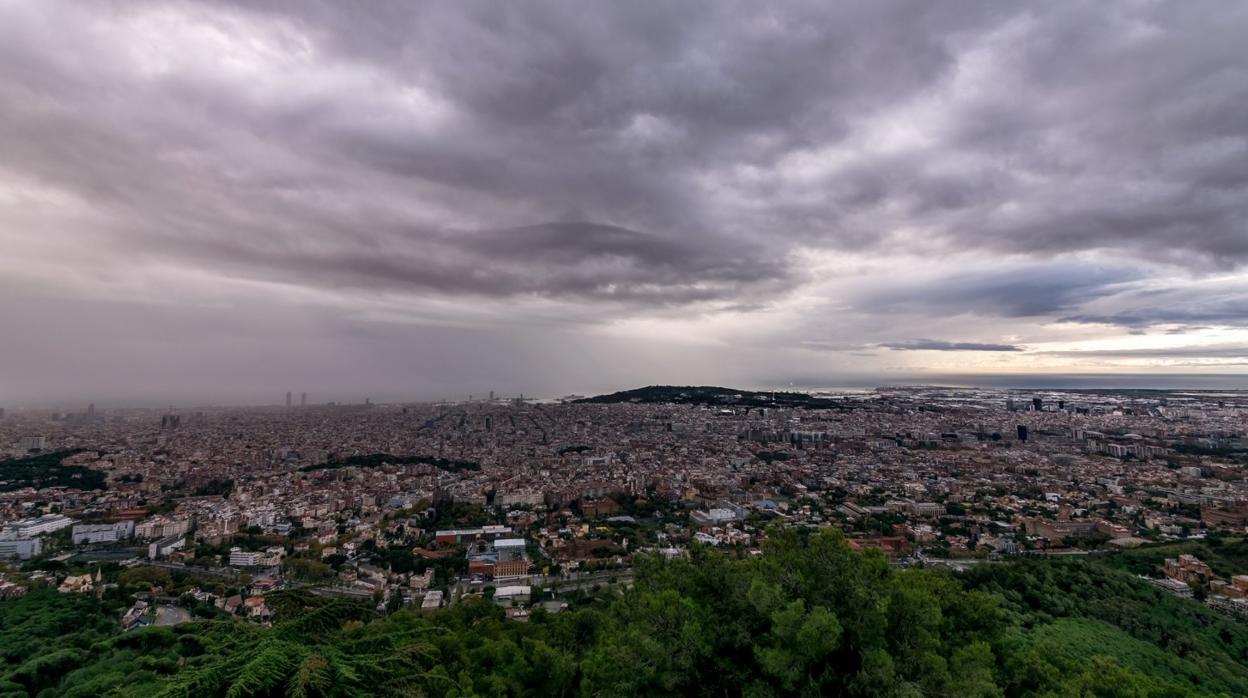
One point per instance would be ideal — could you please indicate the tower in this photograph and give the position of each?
(287, 399)
(303, 399)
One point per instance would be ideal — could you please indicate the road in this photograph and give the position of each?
(560, 583)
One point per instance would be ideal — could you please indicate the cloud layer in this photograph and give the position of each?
(940, 345)
(766, 186)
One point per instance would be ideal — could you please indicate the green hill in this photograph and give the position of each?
(714, 396)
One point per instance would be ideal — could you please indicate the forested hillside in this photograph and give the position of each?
(809, 617)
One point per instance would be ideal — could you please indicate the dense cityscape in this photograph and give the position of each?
(424, 504)
(1081, 513)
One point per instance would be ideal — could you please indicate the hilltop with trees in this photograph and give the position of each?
(714, 396)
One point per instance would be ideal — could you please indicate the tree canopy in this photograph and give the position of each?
(809, 617)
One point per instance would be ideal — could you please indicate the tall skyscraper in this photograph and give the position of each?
(288, 399)
(1037, 404)
(303, 399)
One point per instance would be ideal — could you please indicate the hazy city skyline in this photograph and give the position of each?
(219, 202)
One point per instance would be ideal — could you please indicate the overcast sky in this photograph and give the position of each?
(219, 202)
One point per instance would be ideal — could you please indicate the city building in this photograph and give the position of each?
(21, 548)
(83, 534)
(241, 558)
(165, 546)
(29, 528)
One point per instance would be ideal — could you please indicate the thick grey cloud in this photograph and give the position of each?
(471, 163)
(1217, 303)
(939, 345)
(579, 261)
(645, 116)
(1008, 291)
(1226, 313)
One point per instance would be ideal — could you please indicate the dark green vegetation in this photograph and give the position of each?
(713, 396)
(1227, 452)
(214, 487)
(808, 618)
(1065, 611)
(1226, 557)
(375, 460)
(48, 470)
(45, 635)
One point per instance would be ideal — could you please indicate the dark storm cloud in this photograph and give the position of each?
(617, 161)
(618, 113)
(1026, 291)
(1229, 313)
(939, 345)
(577, 261)
(1217, 304)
